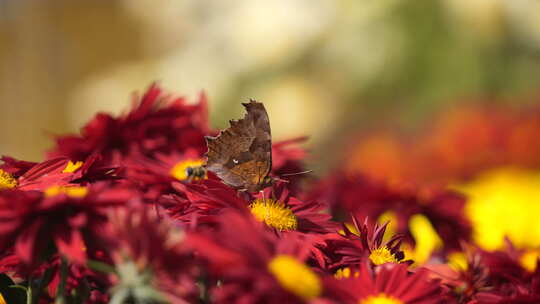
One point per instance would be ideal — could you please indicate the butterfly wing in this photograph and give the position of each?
(242, 154)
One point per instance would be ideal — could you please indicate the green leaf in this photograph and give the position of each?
(11, 292)
(100, 266)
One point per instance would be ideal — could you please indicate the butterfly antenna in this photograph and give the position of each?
(297, 173)
(281, 180)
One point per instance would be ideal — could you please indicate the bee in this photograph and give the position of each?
(195, 173)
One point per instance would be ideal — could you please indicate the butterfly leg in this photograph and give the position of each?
(243, 192)
(272, 192)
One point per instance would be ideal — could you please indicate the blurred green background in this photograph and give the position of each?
(323, 68)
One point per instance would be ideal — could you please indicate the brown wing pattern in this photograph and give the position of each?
(242, 154)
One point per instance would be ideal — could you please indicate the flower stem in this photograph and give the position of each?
(61, 292)
(34, 294)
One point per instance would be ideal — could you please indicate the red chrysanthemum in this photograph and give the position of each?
(364, 197)
(253, 265)
(489, 277)
(510, 282)
(150, 247)
(156, 124)
(154, 176)
(21, 175)
(275, 207)
(79, 281)
(388, 284)
(365, 242)
(66, 219)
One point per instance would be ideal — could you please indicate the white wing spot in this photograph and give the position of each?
(235, 161)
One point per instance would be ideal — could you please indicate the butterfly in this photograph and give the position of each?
(242, 154)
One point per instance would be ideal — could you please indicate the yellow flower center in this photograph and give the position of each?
(7, 181)
(380, 299)
(71, 191)
(72, 167)
(345, 273)
(295, 277)
(382, 255)
(2, 300)
(529, 258)
(458, 261)
(180, 170)
(504, 203)
(274, 214)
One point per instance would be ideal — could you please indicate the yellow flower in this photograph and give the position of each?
(295, 277)
(504, 203)
(426, 239)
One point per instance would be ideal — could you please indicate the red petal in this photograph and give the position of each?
(25, 245)
(44, 168)
(72, 246)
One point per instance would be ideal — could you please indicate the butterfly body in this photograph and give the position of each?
(242, 154)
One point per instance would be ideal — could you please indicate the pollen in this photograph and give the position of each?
(382, 255)
(274, 214)
(72, 167)
(345, 273)
(295, 277)
(180, 170)
(7, 181)
(458, 261)
(381, 299)
(71, 191)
